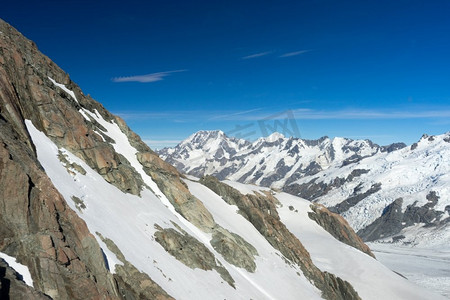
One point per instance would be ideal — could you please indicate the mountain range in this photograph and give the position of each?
(380, 190)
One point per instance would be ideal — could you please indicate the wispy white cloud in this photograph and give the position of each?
(256, 55)
(299, 114)
(153, 77)
(370, 114)
(295, 53)
(187, 115)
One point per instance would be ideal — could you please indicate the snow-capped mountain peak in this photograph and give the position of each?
(269, 161)
(274, 137)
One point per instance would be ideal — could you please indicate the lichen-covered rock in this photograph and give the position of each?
(190, 251)
(234, 249)
(338, 227)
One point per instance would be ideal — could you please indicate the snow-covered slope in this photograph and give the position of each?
(129, 222)
(271, 161)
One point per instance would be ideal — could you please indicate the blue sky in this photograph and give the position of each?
(359, 69)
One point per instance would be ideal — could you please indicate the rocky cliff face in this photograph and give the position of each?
(12, 286)
(40, 230)
(37, 226)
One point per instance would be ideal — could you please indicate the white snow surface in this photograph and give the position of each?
(407, 173)
(246, 188)
(370, 278)
(18, 267)
(366, 274)
(129, 221)
(64, 88)
(428, 267)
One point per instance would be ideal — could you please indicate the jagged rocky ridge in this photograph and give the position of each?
(273, 161)
(95, 214)
(357, 179)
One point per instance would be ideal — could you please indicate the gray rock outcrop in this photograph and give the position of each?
(12, 286)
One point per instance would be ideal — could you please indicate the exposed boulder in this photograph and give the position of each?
(190, 251)
(234, 249)
(12, 286)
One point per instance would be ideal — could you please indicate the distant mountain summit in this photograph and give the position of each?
(272, 161)
(383, 191)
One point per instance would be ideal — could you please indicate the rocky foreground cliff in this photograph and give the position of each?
(91, 212)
